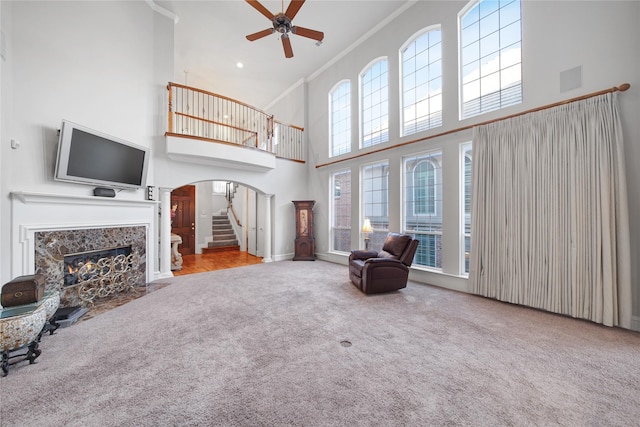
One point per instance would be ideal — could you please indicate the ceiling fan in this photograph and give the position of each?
(282, 24)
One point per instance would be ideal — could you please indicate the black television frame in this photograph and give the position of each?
(78, 142)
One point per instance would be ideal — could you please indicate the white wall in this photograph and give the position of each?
(601, 37)
(93, 63)
(289, 107)
(5, 243)
(204, 210)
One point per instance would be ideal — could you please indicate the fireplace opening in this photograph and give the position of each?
(84, 266)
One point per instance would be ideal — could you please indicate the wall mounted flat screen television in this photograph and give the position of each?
(89, 157)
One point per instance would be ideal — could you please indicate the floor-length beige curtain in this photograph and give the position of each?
(549, 212)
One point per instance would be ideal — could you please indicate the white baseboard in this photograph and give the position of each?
(158, 276)
(281, 257)
(332, 257)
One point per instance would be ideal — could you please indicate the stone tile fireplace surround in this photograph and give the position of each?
(52, 246)
(46, 227)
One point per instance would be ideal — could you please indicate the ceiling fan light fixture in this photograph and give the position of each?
(281, 23)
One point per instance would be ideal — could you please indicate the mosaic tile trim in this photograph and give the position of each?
(18, 331)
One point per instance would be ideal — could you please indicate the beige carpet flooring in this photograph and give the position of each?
(268, 345)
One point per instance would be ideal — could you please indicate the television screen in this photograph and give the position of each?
(89, 157)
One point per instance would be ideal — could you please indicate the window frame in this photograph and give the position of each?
(332, 206)
(384, 164)
(401, 82)
(217, 183)
(361, 111)
(500, 52)
(348, 120)
(436, 157)
(434, 202)
(466, 152)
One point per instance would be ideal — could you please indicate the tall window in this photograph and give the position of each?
(340, 113)
(374, 96)
(422, 82)
(490, 56)
(423, 206)
(341, 211)
(466, 163)
(375, 200)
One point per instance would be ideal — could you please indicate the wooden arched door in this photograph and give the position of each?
(183, 202)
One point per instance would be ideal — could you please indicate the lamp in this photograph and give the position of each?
(366, 229)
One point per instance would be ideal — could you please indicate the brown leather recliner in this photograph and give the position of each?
(385, 271)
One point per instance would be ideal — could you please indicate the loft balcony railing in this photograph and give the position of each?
(199, 114)
(287, 141)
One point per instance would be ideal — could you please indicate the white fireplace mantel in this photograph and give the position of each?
(33, 212)
(33, 198)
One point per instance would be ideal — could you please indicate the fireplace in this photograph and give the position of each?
(85, 264)
(98, 274)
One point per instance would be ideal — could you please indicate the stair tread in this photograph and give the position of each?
(221, 248)
(222, 243)
(223, 234)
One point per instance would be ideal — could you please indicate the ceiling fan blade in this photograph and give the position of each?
(286, 44)
(293, 8)
(260, 34)
(260, 8)
(305, 32)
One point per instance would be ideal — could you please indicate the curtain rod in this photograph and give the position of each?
(622, 88)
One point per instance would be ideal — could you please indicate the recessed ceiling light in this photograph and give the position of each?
(239, 65)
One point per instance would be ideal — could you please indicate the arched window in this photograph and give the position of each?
(421, 61)
(424, 189)
(423, 206)
(340, 123)
(374, 103)
(490, 56)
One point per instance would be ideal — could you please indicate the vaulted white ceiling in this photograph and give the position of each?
(210, 41)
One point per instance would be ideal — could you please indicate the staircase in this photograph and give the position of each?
(224, 238)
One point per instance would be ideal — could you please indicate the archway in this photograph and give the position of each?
(256, 225)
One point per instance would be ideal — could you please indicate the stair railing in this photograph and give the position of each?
(229, 196)
(287, 141)
(235, 217)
